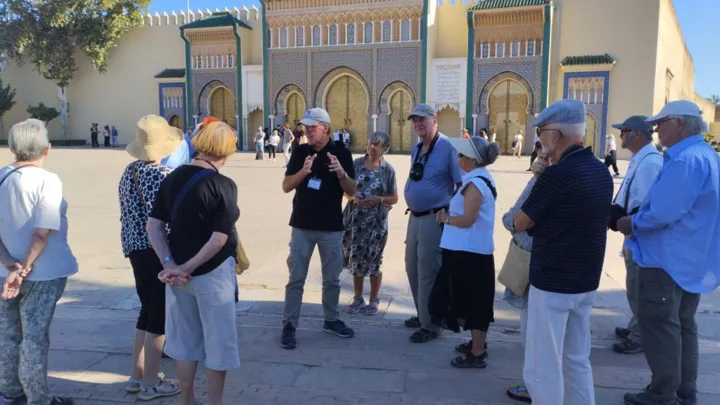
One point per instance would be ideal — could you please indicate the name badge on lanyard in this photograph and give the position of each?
(314, 183)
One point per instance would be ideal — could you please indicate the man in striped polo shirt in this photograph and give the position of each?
(567, 212)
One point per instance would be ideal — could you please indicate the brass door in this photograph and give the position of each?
(294, 109)
(591, 131)
(222, 106)
(346, 102)
(175, 122)
(400, 106)
(507, 111)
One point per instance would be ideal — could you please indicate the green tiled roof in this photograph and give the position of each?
(490, 4)
(171, 74)
(587, 60)
(221, 19)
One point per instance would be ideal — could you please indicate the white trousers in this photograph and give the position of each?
(286, 152)
(557, 351)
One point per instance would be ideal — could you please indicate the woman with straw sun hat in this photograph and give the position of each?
(154, 140)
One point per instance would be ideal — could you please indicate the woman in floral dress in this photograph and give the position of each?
(366, 222)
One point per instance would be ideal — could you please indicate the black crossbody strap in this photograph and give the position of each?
(487, 182)
(13, 171)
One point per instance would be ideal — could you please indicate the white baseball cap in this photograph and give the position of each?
(314, 116)
(680, 107)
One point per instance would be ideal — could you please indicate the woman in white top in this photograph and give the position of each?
(36, 263)
(517, 144)
(467, 247)
(273, 143)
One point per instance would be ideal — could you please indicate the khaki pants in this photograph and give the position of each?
(422, 262)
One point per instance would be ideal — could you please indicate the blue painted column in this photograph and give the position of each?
(470, 73)
(547, 35)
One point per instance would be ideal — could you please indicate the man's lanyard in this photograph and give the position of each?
(423, 158)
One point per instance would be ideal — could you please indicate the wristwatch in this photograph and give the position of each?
(344, 176)
(166, 259)
(447, 220)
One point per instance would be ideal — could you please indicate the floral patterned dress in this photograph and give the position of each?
(366, 229)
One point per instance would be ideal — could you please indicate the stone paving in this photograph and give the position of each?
(93, 327)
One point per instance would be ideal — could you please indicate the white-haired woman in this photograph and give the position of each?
(259, 144)
(467, 249)
(366, 222)
(37, 261)
(524, 241)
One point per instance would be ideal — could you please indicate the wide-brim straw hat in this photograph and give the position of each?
(154, 139)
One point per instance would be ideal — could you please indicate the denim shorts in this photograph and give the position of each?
(200, 319)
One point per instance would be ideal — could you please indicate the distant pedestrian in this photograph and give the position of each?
(114, 135)
(106, 135)
(611, 154)
(273, 144)
(94, 135)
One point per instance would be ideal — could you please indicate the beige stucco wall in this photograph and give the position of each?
(451, 32)
(674, 57)
(590, 27)
(128, 90)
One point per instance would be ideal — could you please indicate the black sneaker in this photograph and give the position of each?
(339, 328)
(287, 340)
(628, 346)
(643, 399)
(688, 399)
(21, 400)
(622, 333)
(413, 322)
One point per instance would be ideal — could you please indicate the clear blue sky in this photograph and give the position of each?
(698, 19)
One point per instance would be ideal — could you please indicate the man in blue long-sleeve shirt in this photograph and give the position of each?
(675, 240)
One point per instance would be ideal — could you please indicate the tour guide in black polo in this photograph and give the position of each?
(568, 211)
(320, 172)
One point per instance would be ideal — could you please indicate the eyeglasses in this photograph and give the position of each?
(539, 131)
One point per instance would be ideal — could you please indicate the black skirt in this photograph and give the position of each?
(464, 291)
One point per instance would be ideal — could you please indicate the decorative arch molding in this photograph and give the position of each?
(252, 109)
(451, 106)
(204, 97)
(282, 96)
(495, 80)
(331, 77)
(387, 93)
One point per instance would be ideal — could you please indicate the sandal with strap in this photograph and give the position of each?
(517, 392)
(357, 304)
(465, 348)
(470, 361)
(372, 308)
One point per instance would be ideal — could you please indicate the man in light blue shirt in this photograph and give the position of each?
(433, 176)
(675, 240)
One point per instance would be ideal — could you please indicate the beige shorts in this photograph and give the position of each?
(200, 319)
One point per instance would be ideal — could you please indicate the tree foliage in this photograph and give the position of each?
(7, 98)
(48, 33)
(42, 112)
(714, 98)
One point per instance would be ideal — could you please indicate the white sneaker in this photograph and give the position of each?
(162, 389)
